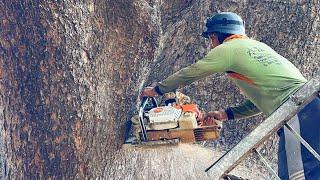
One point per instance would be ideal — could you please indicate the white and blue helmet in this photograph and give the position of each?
(224, 22)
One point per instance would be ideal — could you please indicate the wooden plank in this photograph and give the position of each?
(185, 135)
(269, 126)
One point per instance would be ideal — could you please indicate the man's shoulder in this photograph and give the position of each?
(241, 41)
(244, 43)
(219, 50)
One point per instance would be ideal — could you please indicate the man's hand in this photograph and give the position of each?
(148, 92)
(211, 117)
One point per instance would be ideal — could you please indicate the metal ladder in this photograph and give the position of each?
(274, 122)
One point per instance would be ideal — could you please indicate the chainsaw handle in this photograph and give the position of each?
(144, 102)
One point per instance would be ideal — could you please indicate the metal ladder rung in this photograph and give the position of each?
(306, 145)
(264, 161)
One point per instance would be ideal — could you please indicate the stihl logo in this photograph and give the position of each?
(157, 110)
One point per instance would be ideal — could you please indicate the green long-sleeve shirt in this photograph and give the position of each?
(265, 77)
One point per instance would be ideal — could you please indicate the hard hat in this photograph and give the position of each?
(224, 22)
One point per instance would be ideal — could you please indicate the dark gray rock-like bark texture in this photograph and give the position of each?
(71, 73)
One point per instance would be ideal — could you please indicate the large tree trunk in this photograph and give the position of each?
(71, 73)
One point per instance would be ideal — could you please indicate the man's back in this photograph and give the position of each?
(264, 76)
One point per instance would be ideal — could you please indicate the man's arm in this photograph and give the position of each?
(217, 60)
(243, 110)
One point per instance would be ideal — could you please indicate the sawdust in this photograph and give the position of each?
(174, 162)
(183, 161)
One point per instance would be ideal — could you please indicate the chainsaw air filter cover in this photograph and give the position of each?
(164, 117)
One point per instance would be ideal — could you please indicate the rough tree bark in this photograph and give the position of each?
(71, 72)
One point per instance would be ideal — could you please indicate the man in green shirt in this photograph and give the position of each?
(266, 78)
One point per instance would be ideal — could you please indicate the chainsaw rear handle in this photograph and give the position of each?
(144, 103)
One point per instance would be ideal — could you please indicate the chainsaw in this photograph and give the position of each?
(176, 121)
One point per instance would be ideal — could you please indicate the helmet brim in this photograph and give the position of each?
(206, 34)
